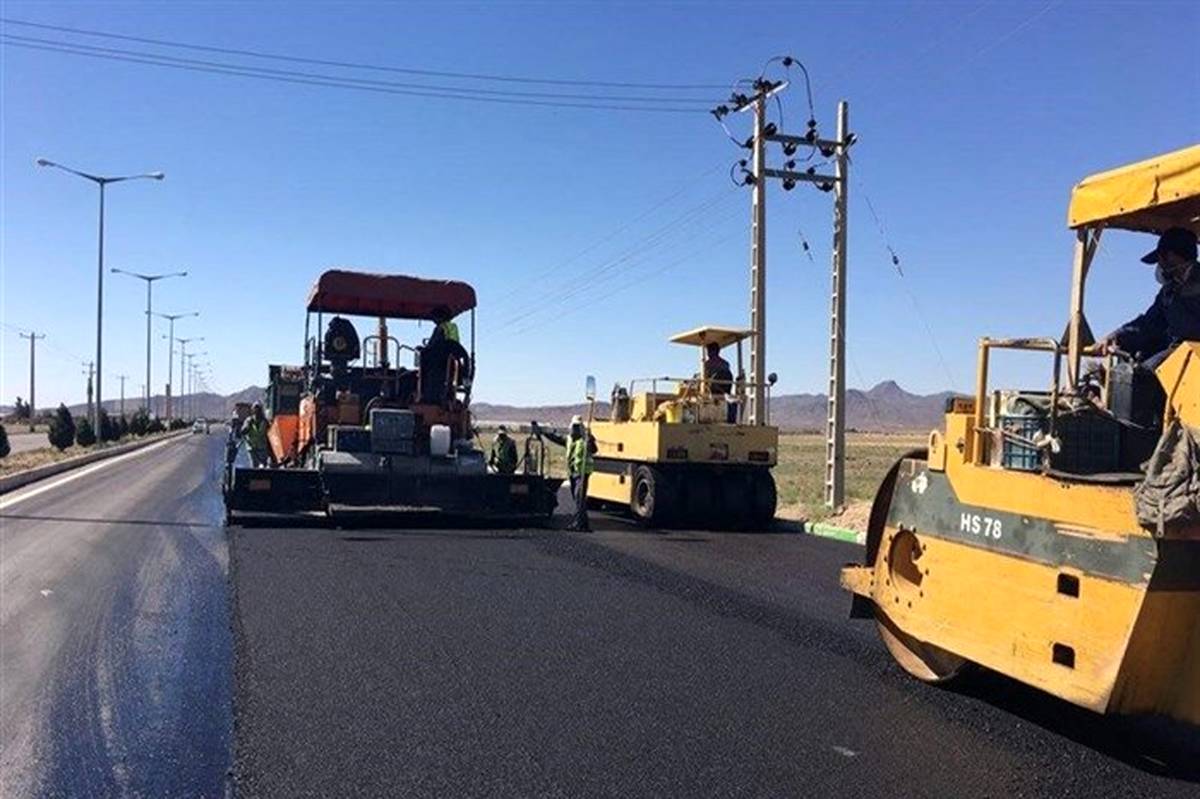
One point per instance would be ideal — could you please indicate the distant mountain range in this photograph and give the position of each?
(886, 407)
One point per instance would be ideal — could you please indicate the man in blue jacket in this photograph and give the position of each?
(1174, 317)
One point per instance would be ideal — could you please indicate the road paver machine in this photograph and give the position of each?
(354, 430)
(1054, 535)
(677, 451)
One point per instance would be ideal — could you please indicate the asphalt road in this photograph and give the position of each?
(115, 675)
(471, 662)
(478, 663)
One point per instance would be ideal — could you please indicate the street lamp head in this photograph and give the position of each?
(156, 175)
(43, 162)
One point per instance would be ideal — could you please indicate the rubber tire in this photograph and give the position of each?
(645, 501)
(765, 498)
(701, 500)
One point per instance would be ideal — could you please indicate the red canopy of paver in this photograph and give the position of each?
(390, 296)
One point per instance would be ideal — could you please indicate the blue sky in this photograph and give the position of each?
(974, 120)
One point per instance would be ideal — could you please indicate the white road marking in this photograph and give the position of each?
(46, 591)
(75, 474)
(841, 750)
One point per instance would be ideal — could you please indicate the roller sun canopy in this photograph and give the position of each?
(1148, 196)
(391, 296)
(723, 336)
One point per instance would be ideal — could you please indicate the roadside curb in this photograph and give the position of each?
(21, 479)
(836, 533)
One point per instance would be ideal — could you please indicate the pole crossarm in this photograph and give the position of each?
(787, 174)
(804, 141)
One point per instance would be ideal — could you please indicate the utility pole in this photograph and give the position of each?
(835, 428)
(756, 177)
(122, 378)
(758, 261)
(92, 413)
(33, 337)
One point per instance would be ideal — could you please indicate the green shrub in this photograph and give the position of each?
(177, 424)
(110, 430)
(156, 426)
(85, 436)
(4, 447)
(62, 429)
(139, 425)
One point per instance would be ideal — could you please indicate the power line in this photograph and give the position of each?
(366, 66)
(627, 259)
(325, 81)
(470, 92)
(558, 265)
(626, 286)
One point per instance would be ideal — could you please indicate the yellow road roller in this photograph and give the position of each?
(678, 451)
(1054, 535)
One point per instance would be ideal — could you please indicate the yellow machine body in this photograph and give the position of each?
(684, 456)
(1044, 576)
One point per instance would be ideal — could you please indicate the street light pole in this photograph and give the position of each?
(171, 353)
(102, 182)
(150, 281)
(192, 372)
(183, 342)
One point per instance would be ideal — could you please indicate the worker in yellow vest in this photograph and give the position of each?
(445, 323)
(254, 431)
(580, 465)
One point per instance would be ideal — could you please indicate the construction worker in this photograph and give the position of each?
(445, 323)
(436, 355)
(503, 458)
(579, 465)
(1174, 315)
(254, 431)
(717, 373)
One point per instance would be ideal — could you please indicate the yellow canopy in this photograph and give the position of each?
(724, 336)
(1149, 196)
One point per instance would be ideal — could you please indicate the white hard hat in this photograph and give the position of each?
(576, 419)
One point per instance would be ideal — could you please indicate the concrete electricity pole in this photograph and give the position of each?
(33, 337)
(122, 378)
(92, 413)
(756, 178)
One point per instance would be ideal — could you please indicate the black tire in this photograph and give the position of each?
(645, 502)
(701, 500)
(765, 498)
(733, 506)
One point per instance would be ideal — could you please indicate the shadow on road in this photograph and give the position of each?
(1155, 745)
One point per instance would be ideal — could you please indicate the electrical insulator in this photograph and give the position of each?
(789, 184)
(789, 149)
(790, 164)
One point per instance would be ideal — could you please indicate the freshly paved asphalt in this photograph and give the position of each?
(464, 662)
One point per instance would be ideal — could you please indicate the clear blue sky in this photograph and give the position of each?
(974, 121)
